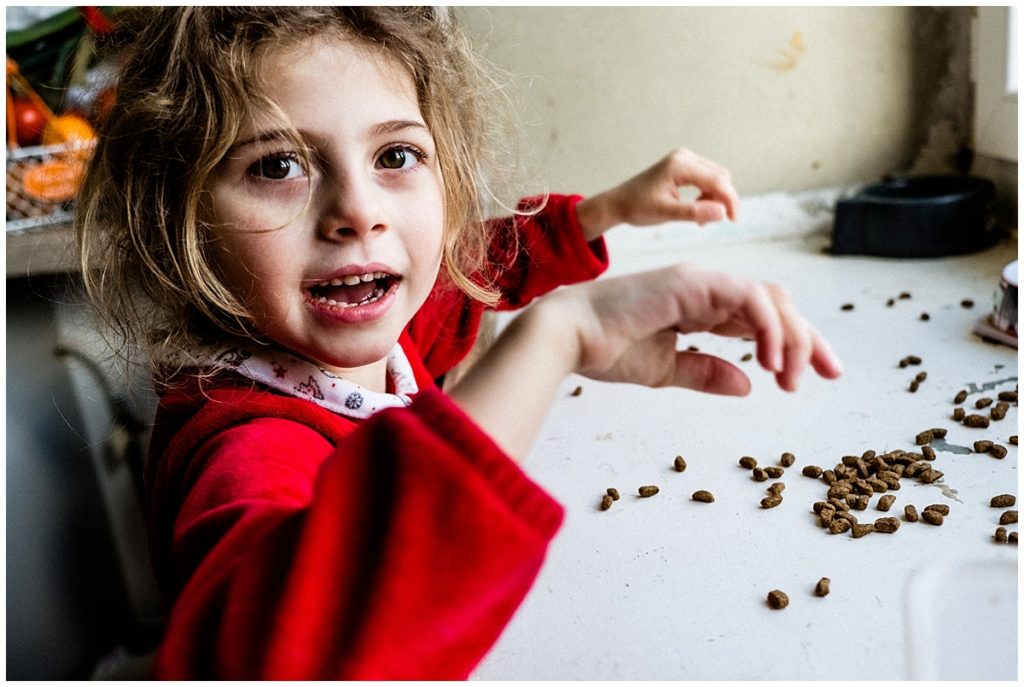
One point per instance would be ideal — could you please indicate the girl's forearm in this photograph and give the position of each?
(509, 391)
(597, 214)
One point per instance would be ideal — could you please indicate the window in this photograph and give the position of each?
(996, 56)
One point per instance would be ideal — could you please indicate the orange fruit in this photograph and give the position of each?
(53, 181)
(66, 129)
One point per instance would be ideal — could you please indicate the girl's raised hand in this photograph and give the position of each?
(627, 330)
(653, 196)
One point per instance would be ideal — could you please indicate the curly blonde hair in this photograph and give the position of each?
(189, 78)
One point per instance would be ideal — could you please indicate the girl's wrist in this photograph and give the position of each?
(597, 214)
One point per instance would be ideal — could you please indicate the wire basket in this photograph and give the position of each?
(42, 182)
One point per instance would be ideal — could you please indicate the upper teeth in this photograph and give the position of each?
(353, 279)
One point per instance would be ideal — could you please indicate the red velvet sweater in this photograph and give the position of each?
(294, 543)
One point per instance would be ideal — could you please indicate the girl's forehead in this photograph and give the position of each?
(328, 51)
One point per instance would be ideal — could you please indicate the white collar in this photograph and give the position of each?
(297, 377)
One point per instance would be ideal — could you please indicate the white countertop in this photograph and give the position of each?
(669, 588)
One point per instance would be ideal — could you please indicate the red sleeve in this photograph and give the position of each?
(534, 253)
(401, 553)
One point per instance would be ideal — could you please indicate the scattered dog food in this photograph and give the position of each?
(959, 414)
(614, 493)
(860, 529)
(983, 402)
(905, 296)
(998, 412)
(771, 501)
(760, 475)
(777, 599)
(928, 452)
(982, 446)
(822, 588)
(1003, 501)
(787, 459)
(920, 376)
(932, 517)
(703, 496)
(838, 525)
(960, 397)
(1008, 518)
(748, 462)
(885, 503)
(774, 471)
(1009, 396)
(997, 451)
(914, 385)
(891, 302)
(938, 508)
(846, 306)
(1013, 439)
(925, 317)
(746, 357)
(811, 471)
(887, 525)
(649, 490)
(777, 488)
(976, 421)
(1000, 535)
(606, 502)
(924, 437)
(967, 303)
(1013, 538)
(910, 513)
(577, 391)
(679, 464)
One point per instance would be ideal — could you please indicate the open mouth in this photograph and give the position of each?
(353, 289)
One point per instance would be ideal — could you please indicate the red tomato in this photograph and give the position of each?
(29, 121)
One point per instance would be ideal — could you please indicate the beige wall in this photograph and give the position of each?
(786, 98)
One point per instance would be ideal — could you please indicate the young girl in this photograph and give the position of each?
(285, 210)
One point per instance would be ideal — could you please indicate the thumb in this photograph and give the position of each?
(709, 374)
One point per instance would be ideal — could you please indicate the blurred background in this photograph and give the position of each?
(790, 99)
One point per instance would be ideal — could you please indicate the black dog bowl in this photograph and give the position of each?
(916, 217)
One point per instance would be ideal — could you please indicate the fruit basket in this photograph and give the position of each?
(42, 181)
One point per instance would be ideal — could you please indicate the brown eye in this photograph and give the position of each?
(276, 167)
(398, 158)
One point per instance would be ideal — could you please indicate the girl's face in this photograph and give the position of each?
(335, 280)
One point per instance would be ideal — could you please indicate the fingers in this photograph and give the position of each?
(712, 180)
(802, 345)
(709, 374)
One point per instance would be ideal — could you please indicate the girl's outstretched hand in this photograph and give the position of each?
(653, 197)
(627, 330)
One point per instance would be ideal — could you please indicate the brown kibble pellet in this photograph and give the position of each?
(967, 303)
(811, 471)
(928, 476)
(776, 488)
(860, 529)
(846, 306)
(1013, 538)
(960, 397)
(925, 317)
(932, 517)
(787, 459)
(997, 451)
(923, 437)
(905, 296)
(1000, 535)
(838, 525)
(1003, 501)
(913, 360)
(614, 493)
(679, 464)
(748, 462)
(703, 496)
(885, 503)
(774, 471)
(891, 302)
(983, 402)
(777, 599)
(649, 490)
(771, 501)
(938, 432)
(577, 391)
(746, 357)
(1008, 396)
(1008, 518)
(1013, 439)
(914, 385)
(606, 502)
(920, 376)
(982, 446)
(822, 588)
(998, 412)
(928, 453)
(938, 508)
(887, 525)
(760, 475)
(976, 421)
(958, 414)
(910, 513)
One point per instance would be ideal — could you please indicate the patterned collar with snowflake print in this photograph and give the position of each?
(297, 377)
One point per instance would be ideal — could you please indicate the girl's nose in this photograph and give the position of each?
(352, 209)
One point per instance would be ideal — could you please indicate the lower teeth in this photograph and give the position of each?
(333, 303)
